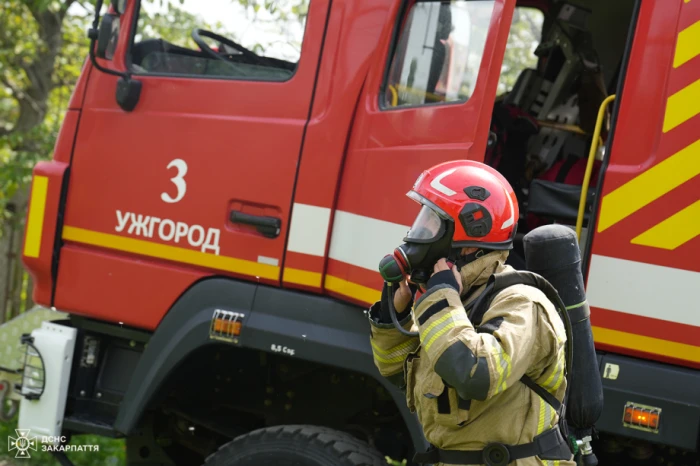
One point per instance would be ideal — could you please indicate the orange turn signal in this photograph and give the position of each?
(228, 327)
(642, 417)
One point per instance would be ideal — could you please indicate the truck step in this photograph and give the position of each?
(86, 424)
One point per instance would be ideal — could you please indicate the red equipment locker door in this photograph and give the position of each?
(427, 99)
(200, 174)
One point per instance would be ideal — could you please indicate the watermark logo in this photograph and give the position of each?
(23, 443)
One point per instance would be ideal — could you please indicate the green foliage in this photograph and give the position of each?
(35, 84)
(165, 19)
(523, 38)
(283, 10)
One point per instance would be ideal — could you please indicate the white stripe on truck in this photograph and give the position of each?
(363, 241)
(644, 290)
(309, 229)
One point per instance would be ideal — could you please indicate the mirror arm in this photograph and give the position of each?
(128, 90)
(93, 34)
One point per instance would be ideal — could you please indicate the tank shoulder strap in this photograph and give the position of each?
(499, 282)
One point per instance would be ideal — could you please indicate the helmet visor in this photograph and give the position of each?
(426, 227)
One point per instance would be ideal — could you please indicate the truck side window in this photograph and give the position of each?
(174, 37)
(438, 55)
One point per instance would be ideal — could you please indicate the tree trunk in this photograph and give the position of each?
(29, 301)
(11, 254)
(15, 298)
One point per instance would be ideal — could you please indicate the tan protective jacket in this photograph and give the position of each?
(484, 400)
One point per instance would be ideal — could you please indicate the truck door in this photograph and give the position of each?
(427, 99)
(201, 172)
(643, 273)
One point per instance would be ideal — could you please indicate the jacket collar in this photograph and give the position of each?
(475, 274)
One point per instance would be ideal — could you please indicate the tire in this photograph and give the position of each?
(296, 445)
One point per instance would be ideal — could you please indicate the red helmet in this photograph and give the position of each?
(478, 199)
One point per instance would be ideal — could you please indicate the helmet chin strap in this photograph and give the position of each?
(462, 260)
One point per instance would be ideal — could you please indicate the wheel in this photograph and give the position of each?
(296, 445)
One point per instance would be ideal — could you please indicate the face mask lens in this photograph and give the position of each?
(426, 226)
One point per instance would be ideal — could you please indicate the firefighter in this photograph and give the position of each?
(487, 392)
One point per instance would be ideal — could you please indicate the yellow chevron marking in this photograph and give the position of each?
(682, 106)
(676, 230)
(650, 185)
(688, 44)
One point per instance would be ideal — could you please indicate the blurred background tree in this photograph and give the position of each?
(524, 36)
(42, 48)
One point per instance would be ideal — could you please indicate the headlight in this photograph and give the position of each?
(33, 371)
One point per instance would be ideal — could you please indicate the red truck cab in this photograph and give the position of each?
(213, 217)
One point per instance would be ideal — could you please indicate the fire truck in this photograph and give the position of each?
(209, 227)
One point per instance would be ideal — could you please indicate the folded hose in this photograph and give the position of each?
(392, 314)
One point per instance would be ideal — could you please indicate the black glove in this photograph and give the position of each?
(384, 312)
(444, 277)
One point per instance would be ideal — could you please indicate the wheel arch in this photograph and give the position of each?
(318, 329)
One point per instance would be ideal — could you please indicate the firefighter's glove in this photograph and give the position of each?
(402, 296)
(444, 274)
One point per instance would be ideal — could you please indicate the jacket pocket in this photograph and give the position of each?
(440, 403)
(409, 368)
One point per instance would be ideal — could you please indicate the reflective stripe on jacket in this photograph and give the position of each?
(463, 382)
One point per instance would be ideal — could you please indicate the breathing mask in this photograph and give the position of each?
(428, 240)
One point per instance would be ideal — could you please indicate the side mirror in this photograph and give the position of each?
(119, 6)
(103, 42)
(107, 36)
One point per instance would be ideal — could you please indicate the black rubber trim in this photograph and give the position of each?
(58, 236)
(319, 329)
(443, 401)
(491, 326)
(455, 365)
(444, 277)
(544, 394)
(432, 310)
(395, 35)
(463, 404)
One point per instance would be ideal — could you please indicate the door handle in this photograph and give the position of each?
(269, 227)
